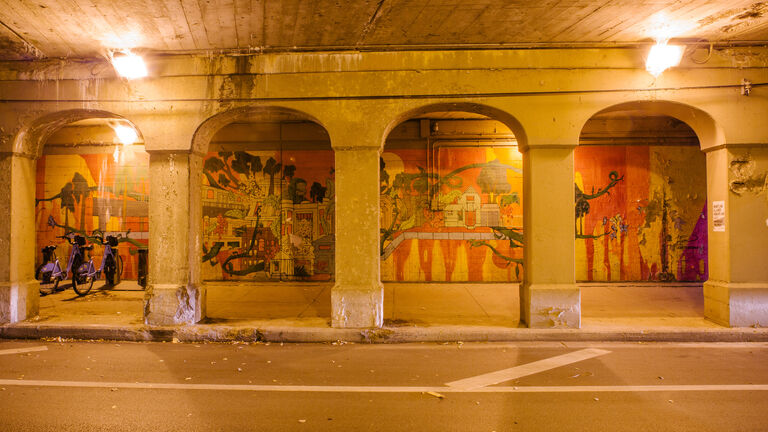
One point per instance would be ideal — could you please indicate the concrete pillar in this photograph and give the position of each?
(19, 291)
(357, 298)
(174, 294)
(736, 294)
(549, 296)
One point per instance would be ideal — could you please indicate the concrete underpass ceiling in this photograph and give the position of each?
(88, 28)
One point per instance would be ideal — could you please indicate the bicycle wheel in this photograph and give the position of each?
(39, 272)
(119, 270)
(81, 281)
(109, 271)
(45, 281)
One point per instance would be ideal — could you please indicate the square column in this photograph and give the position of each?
(19, 291)
(174, 294)
(549, 296)
(736, 294)
(357, 298)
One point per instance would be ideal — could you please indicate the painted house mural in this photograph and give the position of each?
(640, 213)
(268, 215)
(83, 193)
(451, 214)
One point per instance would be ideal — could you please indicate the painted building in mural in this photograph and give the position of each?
(451, 213)
(268, 215)
(640, 213)
(89, 194)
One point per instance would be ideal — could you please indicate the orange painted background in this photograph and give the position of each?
(650, 225)
(454, 214)
(88, 192)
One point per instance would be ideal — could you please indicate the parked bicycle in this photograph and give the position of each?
(111, 261)
(50, 272)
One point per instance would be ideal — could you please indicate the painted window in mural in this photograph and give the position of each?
(268, 215)
(83, 193)
(452, 213)
(640, 213)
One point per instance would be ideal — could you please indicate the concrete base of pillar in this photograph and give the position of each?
(19, 301)
(736, 304)
(550, 305)
(357, 306)
(168, 304)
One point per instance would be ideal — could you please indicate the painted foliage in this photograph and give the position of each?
(87, 192)
(268, 215)
(452, 215)
(640, 213)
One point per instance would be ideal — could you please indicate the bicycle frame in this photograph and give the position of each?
(107, 253)
(52, 264)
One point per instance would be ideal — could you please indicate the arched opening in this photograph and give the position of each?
(92, 183)
(268, 217)
(641, 219)
(451, 218)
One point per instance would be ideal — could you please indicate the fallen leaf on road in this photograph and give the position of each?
(436, 394)
(114, 389)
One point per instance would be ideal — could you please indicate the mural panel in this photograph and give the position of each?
(94, 192)
(640, 213)
(268, 215)
(451, 214)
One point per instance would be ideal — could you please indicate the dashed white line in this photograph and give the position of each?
(23, 350)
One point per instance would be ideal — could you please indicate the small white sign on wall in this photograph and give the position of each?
(718, 216)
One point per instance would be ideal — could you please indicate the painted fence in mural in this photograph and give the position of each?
(640, 213)
(453, 216)
(88, 192)
(268, 215)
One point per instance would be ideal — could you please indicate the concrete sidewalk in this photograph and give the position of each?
(300, 312)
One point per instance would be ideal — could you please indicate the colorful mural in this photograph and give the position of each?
(640, 213)
(451, 214)
(268, 215)
(87, 192)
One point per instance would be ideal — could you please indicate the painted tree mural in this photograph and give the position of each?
(647, 223)
(94, 192)
(261, 221)
(459, 221)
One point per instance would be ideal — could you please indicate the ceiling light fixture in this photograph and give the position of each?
(128, 64)
(125, 134)
(662, 57)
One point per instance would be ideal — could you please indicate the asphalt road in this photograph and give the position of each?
(108, 386)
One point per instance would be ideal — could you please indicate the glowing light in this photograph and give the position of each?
(129, 65)
(125, 134)
(662, 57)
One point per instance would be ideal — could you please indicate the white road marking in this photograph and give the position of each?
(384, 389)
(526, 369)
(23, 350)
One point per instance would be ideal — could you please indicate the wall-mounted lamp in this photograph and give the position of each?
(662, 57)
(125, 134)
(128, 64)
